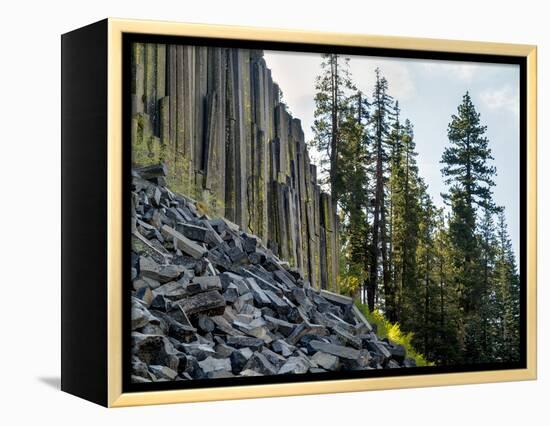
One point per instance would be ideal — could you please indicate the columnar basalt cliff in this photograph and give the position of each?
(215, 117)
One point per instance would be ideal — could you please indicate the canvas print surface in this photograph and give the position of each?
(302, 213)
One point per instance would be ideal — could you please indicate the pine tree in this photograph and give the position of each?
(395, 170)
(445, 345)
(404, 208)
(378, 248)
(449, 275)
(331, 104)
(469, 175)
(422, 297)
(485, 343)
(467, 158)
(482, 271)
(507, 294)
(353, 196)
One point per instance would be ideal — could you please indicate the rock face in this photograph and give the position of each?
(216, 116)
(210, 301)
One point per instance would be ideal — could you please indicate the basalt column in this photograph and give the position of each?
(214, 116)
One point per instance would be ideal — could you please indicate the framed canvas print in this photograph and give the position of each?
(250, 212)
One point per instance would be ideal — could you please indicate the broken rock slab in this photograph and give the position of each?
(202, 284)
(327, 361)
(161, 273)
(181, 242)
(209, 303)
(336, 350)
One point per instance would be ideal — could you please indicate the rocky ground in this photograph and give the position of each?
(210, 301)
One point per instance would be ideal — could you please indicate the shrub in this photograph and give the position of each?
(393, 332)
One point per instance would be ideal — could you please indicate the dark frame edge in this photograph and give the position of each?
(84, 54)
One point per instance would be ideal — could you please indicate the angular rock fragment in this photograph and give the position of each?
(145, 282)
(145, 294)
(160, 303)
(183, 243)
(326, 361)
(228, 278)
(201, 284)
(211, 364)
(276, 302)
(409, 362)
(213, 238)
(220, 374)
(189, 365)
(347, 338)
(377, 347)
(197, 350)
(273, 357)
(254, 329)
(398, 353)
(284, 278)
(224, 326)
(239, 358)
(141, 245)
(282, 347)
(256, 258)
(294, 365)
(245, 342)
(172, 290)
(154, 171)
(231, 293)
(154, 350)
(260, 297)
(208, 303)
(249, 243)
(181, 330)
(141, 379)
(249, 373)
(263, 283)
(337, 350)
(178, 314)
(237, 256)
(361, 318)
(305, 328)
(161, 273)
(223, 351)
(260, 364)
(193, 232)
(284, 327)
(359, 363)
(206, 324)
(141, 316)
(162, 372)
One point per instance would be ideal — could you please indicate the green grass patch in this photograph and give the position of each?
(393, 332)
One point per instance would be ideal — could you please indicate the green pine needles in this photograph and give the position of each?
(441, 281)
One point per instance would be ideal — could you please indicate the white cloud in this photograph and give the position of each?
(295, 73)
(464, 71)
(503, 98)
(397, 72)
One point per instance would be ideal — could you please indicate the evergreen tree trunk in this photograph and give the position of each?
(334, 135)
(404, 242)
(376, 225)
(388, 291)
(426, 301)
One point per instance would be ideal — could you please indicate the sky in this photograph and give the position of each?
(429, 92)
